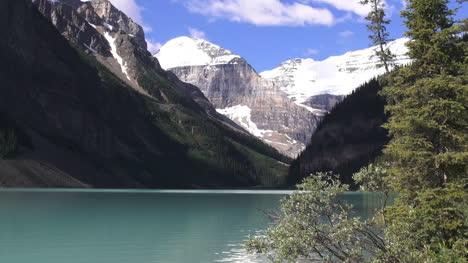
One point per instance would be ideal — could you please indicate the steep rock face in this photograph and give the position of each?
(224, 85)
(324, 102)
(114, 18)
(69, 20)
(237, 91)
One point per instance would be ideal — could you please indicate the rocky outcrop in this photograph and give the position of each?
(324, 102)
(236, 90)
(68, 19)
(224, 85)
(114, 18)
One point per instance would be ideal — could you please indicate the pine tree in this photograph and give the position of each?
(379, 34)
(428, 104)
(428, 101)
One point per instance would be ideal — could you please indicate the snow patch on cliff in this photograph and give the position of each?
(119, 59)
(241, 114)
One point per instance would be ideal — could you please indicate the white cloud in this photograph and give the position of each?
(262, 12)
(346, 33)
(196, 33)
(153, 47)
(133, 10)
(130, 8)
(146, 28)
(346, 5)
(404, 3)
(352, 6)
(312, 51)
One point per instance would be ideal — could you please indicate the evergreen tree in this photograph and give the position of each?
(428, 102)
(379, 34)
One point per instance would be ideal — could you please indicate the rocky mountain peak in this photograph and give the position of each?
(116, 20)
(103, 30)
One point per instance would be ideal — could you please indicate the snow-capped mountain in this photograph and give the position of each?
(185, 51)
(267, 104)
(302, 79)
(238, 92)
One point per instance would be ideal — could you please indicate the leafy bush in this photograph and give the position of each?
(317, 225)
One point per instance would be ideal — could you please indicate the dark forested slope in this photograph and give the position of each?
(76, 124)
(349, 137)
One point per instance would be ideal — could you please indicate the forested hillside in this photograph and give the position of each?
(349, 137)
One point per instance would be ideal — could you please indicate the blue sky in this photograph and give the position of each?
(265, 32)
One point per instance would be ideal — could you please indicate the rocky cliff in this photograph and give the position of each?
(237, 91)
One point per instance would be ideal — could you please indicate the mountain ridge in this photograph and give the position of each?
(306, 88)
(88, 127)
(302, 78)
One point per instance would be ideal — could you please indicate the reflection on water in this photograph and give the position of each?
(125, 226)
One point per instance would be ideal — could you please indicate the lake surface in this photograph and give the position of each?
(65, 226)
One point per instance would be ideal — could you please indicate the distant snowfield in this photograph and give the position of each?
(337, 75)
(186, 51)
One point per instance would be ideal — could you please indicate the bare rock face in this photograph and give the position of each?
(324, 102)
(117, 19)
(71, 23)
(237, 91)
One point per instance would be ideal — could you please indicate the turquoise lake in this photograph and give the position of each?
(65, 226)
